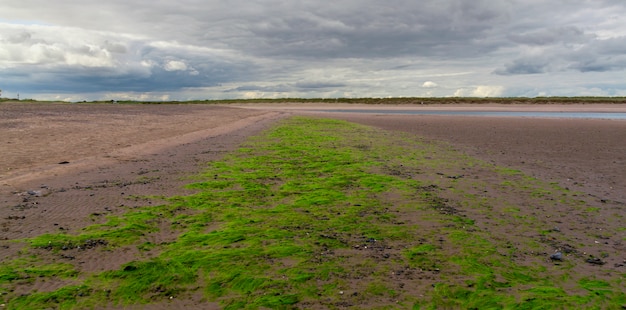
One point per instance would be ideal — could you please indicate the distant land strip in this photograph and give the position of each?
(394, 100)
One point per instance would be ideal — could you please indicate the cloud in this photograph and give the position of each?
(288, 88)
(526, 65)
(318, 84)
(597, 55)
(175, 65)
(429, 84)
(219, 48)
(372, 29)
(480, 91)
(65, 60)
(564, 35)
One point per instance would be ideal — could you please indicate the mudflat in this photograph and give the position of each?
(579, 154)
(64, 164)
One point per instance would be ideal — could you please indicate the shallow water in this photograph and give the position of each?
(587, 115)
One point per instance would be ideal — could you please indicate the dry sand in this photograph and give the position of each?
(112, 154)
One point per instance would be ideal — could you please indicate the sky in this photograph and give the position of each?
(216, 49)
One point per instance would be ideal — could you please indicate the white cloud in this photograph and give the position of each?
(57, 46)
(430, 84)
(480, 91)
(175, 65)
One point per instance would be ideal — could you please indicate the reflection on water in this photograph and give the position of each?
(595, 115)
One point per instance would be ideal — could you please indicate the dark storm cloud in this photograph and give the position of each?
(528, 65)
(597, 55)
(110, 63)
(362, 47)
(567, 35)
(372, 29)
(68, 79)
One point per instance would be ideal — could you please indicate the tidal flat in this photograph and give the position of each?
(313, 212)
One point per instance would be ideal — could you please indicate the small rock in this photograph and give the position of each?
(557, 256)
(130, 268)
(595, 261)
(64, 162)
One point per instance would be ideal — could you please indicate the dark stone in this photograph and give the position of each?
(595, 261)
(557, 256)
(130, 268)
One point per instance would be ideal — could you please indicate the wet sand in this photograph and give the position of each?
(583, 155)
(63, 164)
(588, 155)
(47, 148)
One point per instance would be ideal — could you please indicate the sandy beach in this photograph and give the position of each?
(581, 154)
(62, 163)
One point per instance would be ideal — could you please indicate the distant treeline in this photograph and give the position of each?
(397, 100)
(437, 100)
(413, 100)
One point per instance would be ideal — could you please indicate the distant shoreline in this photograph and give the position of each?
(371, 101)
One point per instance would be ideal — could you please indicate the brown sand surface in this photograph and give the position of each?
(113, 153)
(311, 107)
(580, 154)
(117, 153)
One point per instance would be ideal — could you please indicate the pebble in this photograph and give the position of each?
(595, 261)
(557, 256)
(34, 193)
